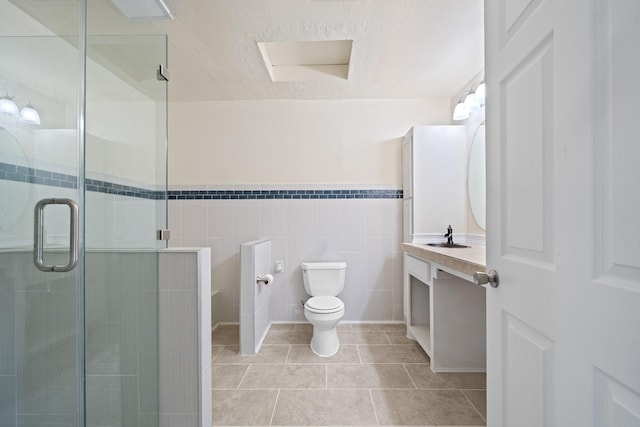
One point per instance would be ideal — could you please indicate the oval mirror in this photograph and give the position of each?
(476, 178)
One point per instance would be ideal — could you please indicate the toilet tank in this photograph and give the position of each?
(323, 278)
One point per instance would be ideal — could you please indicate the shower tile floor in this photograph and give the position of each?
(377, 378)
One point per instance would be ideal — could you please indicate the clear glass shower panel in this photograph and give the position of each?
(125, 160)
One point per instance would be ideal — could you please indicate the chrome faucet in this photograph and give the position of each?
(449, 235)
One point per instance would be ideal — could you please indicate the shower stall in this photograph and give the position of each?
(83, 138)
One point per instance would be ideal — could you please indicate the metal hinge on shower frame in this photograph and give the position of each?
(162, 73)
(164, 234)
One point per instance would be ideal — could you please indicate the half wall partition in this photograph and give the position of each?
(79, 347)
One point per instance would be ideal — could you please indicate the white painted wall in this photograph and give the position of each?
(122, 145)
(294, 141)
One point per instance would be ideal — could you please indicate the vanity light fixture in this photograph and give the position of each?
(471, 102)
(28, 114)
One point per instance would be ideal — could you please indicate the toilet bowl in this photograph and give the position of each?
(324, 313)
(324, 281)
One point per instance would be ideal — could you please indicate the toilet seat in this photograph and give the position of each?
(324, 304)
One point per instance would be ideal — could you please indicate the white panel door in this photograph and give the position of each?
(563, 212)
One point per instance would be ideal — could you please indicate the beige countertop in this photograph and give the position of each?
(465, 260)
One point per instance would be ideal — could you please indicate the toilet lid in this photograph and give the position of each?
(324, 304)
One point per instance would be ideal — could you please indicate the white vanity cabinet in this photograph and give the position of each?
(445, 310)
(418, 289)
(434, 185)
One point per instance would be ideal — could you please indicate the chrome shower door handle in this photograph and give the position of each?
(38, 235)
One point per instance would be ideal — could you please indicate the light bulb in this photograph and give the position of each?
(8, 108)
(481, 93)
(29, 115)
(460, 112)
(471, 103)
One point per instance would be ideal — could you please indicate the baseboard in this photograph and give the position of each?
(373, 322)
(365, 322)
(223, 324)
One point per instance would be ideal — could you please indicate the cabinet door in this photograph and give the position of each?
(439, 179)
(407, 220)
(407, 165)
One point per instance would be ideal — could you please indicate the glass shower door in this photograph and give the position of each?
(41, 328)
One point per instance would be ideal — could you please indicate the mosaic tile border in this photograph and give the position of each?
(24, 174)
(11, 172)
(283, 194)
(123, 190)
(18, 173)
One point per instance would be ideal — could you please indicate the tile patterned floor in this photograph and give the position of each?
(377, 378)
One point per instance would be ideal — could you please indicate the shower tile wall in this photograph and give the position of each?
(37, 359)
(38, 328)
(121, 337)
(366, 233)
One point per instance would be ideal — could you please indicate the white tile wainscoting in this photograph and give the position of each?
(364, 232)
(255, 296)
(184, 340)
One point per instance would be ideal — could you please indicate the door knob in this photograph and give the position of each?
(482, 278)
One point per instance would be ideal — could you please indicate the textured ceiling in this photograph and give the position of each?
(401, 48)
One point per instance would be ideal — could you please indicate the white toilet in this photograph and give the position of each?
(323, 281)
